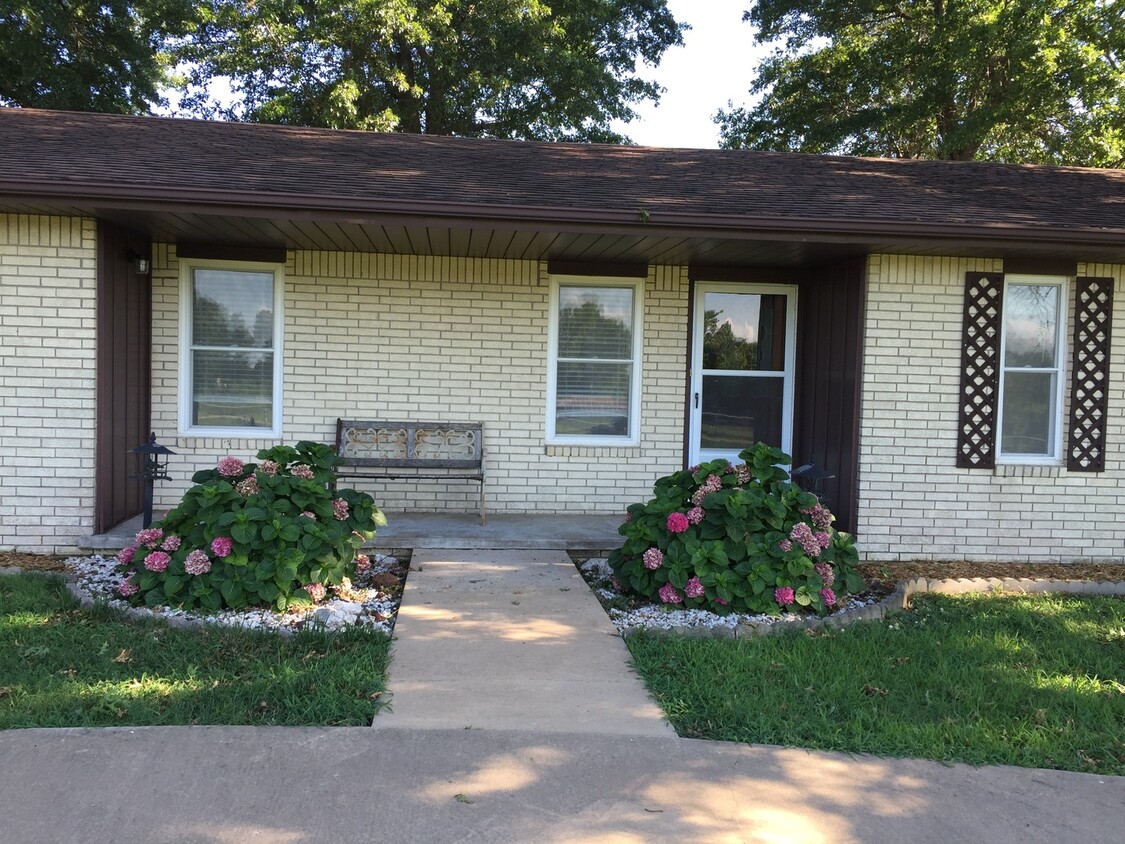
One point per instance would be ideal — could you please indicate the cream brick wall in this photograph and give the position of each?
(47, 381)
(376, 336)
(914, 503)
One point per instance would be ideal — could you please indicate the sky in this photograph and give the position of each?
(714, 66)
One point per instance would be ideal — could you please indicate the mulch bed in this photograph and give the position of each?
(938, 570)
(38, 562)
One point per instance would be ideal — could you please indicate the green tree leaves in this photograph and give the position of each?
(1008, 80)
(489, 68)
(86, 55)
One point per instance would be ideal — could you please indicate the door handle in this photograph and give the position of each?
(697, 401)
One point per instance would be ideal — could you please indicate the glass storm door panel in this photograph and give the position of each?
(742, 369)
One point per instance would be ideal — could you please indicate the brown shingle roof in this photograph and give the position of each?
(92, 156)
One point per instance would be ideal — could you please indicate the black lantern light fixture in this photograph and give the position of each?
(811, 478)
(154, 467)
(140, 262)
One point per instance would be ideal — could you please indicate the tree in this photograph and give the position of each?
(85, 55)
(562, 69)
(1007, 80)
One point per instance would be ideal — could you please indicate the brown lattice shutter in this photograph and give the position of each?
(980, 371)
(1089, 385)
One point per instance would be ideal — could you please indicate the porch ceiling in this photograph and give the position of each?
(396, 233)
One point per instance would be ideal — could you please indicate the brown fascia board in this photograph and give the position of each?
(578, 220)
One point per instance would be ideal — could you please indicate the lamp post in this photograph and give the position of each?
(154, 467)
(811, 478)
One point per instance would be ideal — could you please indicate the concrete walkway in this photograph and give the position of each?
(511, 640)
(230, 785)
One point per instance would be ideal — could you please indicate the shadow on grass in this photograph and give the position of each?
(67, 667)
(1033, 681)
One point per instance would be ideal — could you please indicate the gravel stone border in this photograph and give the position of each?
(719, 627)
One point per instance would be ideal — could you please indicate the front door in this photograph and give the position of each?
(742, 369)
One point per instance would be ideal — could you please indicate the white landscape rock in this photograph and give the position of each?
(97, 578)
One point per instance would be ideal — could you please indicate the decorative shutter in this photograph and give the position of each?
(1093, 314)
(980, 371)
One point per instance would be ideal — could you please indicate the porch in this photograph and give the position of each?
(450, 530)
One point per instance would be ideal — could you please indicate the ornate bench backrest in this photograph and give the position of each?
(410, 444)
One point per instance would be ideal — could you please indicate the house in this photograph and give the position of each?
(938, 337)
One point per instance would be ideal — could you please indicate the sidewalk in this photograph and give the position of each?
(228, 785)
(511, 640)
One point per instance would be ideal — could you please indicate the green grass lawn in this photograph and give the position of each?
(61, 666)
(1035, 681)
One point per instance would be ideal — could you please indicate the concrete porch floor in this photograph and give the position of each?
(451, 530)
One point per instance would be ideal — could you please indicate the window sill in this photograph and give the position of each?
(230, 434)
(598, 450)
(1053, 469)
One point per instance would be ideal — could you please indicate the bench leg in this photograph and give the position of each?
(483, 520)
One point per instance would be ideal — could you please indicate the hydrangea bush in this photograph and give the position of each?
(736, 539)
(271, 533)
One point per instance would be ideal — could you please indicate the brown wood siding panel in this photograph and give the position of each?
(221, 252)
(124, 310)
(830, 307)
(613, 270)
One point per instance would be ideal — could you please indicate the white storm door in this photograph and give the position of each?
(743, 359)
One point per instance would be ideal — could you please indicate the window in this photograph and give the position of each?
(230, 349)
(593, 394)
(1031, 377)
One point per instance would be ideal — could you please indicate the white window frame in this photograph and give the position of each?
(634, 435)
(787, 375)
(187, 295)
(1055, 458)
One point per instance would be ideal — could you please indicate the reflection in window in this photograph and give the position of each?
(232, 355)
(594, 365)
(744, 331)
(1030, 377)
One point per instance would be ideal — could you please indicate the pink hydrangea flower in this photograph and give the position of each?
(339, 509)
(269, 467)
(302, 471)
(230, 467)
(316, 591)
(170, 543)
(828, 596)
(150, 537)
(221, 546)
(785, 545)
(744, 473)
(309, 514)
(669, 595)
(713, 484)
(695, 515)
(803, 535)
(248, 487)
(197, 562)
(720, 601)
(678, 522)
(628, 516)
(653, 559)
(694, 588)
(821, 517)
(822, 539)
(784, 595)
(362, 564)
(125, 555)
(127, 589)
(826, 572)
(157, 561)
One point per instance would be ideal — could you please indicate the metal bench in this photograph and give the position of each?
(407, 450)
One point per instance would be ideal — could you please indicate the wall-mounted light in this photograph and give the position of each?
(142, 263)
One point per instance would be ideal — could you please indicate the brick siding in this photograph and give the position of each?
(372, 336)
(913, 501)
(47, 381)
